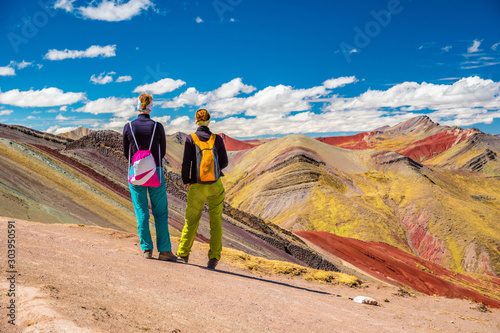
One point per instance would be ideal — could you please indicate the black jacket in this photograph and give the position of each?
(143, 128)
(189, 160)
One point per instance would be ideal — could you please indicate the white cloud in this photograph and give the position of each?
(40, 98)
(124, 78)
(115, 10)
(225, 92)
(92, 52)
(103, 78)
(160, 87)
(223, 101)
(474, 47)
(339, 82)
(7, 71)
(232, 20)
(31, 117)
(58, 130)
(119, 107)
(67, 5)
(5, 112)
(163, 119)
(471, 91)
(495, 46)
(22, 64)
(447, 48)
(60, 117)
(180, 124)
(279, 110)
(63, 108)
(198, 20)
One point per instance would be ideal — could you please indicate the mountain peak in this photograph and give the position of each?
(420, 124)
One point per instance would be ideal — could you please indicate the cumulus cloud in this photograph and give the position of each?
(106, 10)
(198, 20)
(40, 98)
(103, 78)
(92, 52)
(226, 92)
(67, 5)
(223, 101)
(120, 107)
(124, 78)
(471, 91)
(162, 119)
(5, 112)
(7, 71)
(56, 129)
(280, 110)
(160, 87)
(474, 47)
(339, 82)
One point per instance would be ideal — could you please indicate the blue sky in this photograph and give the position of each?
(263, 68)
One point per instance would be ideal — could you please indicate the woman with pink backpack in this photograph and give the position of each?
(144, 145)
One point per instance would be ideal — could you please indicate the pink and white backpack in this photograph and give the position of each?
(143, 164)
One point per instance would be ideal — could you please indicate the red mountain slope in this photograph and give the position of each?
(434, 144)
(235, 145)
(390, 264)
(355, 142)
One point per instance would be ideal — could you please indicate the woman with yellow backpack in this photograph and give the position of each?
(204, 158)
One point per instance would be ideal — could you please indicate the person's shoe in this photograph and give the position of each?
(167, 256)
(212, 263)
(184, 259)
(147, 254)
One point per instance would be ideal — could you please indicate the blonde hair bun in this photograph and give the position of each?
(145, 100)
(202, 115)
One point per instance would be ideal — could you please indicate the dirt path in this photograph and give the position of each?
(88, 279)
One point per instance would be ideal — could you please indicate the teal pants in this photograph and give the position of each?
(197, 195)
(159, 206)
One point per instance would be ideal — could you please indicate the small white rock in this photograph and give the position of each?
(365, 300)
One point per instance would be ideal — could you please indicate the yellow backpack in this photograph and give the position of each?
(207, 161)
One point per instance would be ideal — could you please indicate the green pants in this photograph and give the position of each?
(197, 195)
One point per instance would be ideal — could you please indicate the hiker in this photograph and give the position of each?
(202, 174)
(138, 135)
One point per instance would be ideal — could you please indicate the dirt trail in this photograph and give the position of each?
(89, 279)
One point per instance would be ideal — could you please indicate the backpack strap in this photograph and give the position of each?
(152, 137)
(204, 144)
(133, 136)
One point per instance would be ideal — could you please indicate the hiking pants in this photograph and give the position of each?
(159, 206)
(197, 195)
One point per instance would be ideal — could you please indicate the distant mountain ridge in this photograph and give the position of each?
(77, 133)
(420, 139)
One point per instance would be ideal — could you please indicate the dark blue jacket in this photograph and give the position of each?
(189, 160)
(143, 128)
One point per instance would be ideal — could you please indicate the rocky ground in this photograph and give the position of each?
(89, 279)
